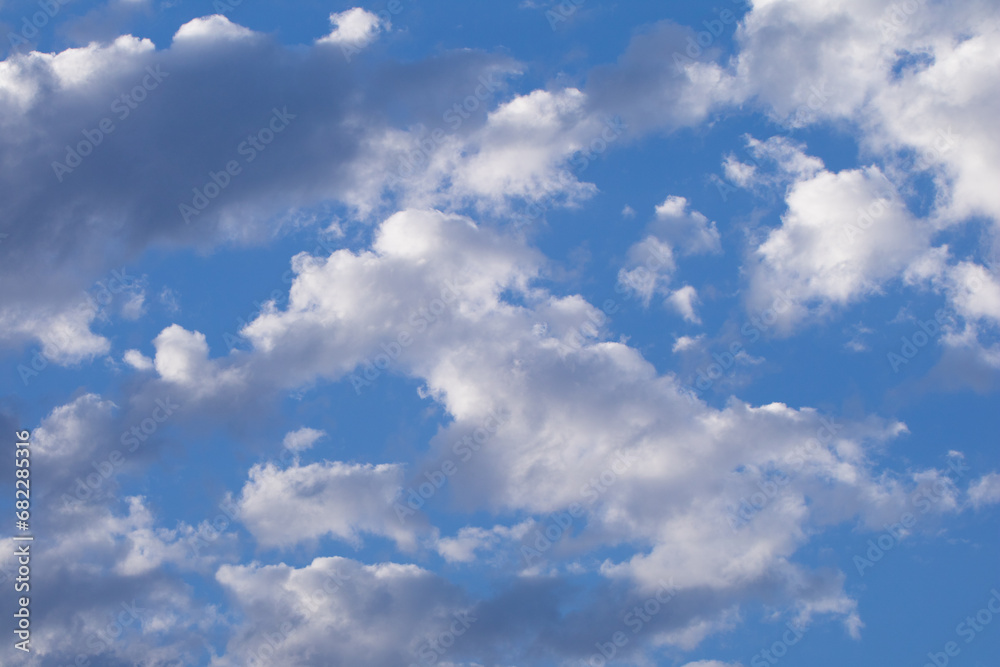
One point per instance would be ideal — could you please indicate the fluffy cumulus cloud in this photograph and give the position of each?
(354, 28)
(310, 125)
(843, 237)
(651, 262)
(911, 78)
(688, 229)
(562, 475)
(671, 482)
(284, 507)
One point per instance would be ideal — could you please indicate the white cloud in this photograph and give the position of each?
(776, 163)
(138, 360)
(687, 229)
(649, 269)
(651, 264)
(135, 307)
(75, 430)
(471, 541)
(574, 408)
(302, 439)
(64, 335)
(282, 507)
(170, 300)
(532, 147)
(974, 291)
(340, 611)
(844, 237)
(211, 29)
(577, 400)
(74, 89)
(355, 27)
(652, 90)
(684, 343)
(985, 491)
(684, 301)
(182, 359)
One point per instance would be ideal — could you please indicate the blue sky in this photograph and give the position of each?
(505, 334)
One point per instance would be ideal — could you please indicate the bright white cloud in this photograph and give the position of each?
(355, 28)
(138, 360)
(684, 301)
(844, 236)
(283, 507)
(210, 29)
(687, 229)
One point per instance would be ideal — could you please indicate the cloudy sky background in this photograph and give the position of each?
(447, 333)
